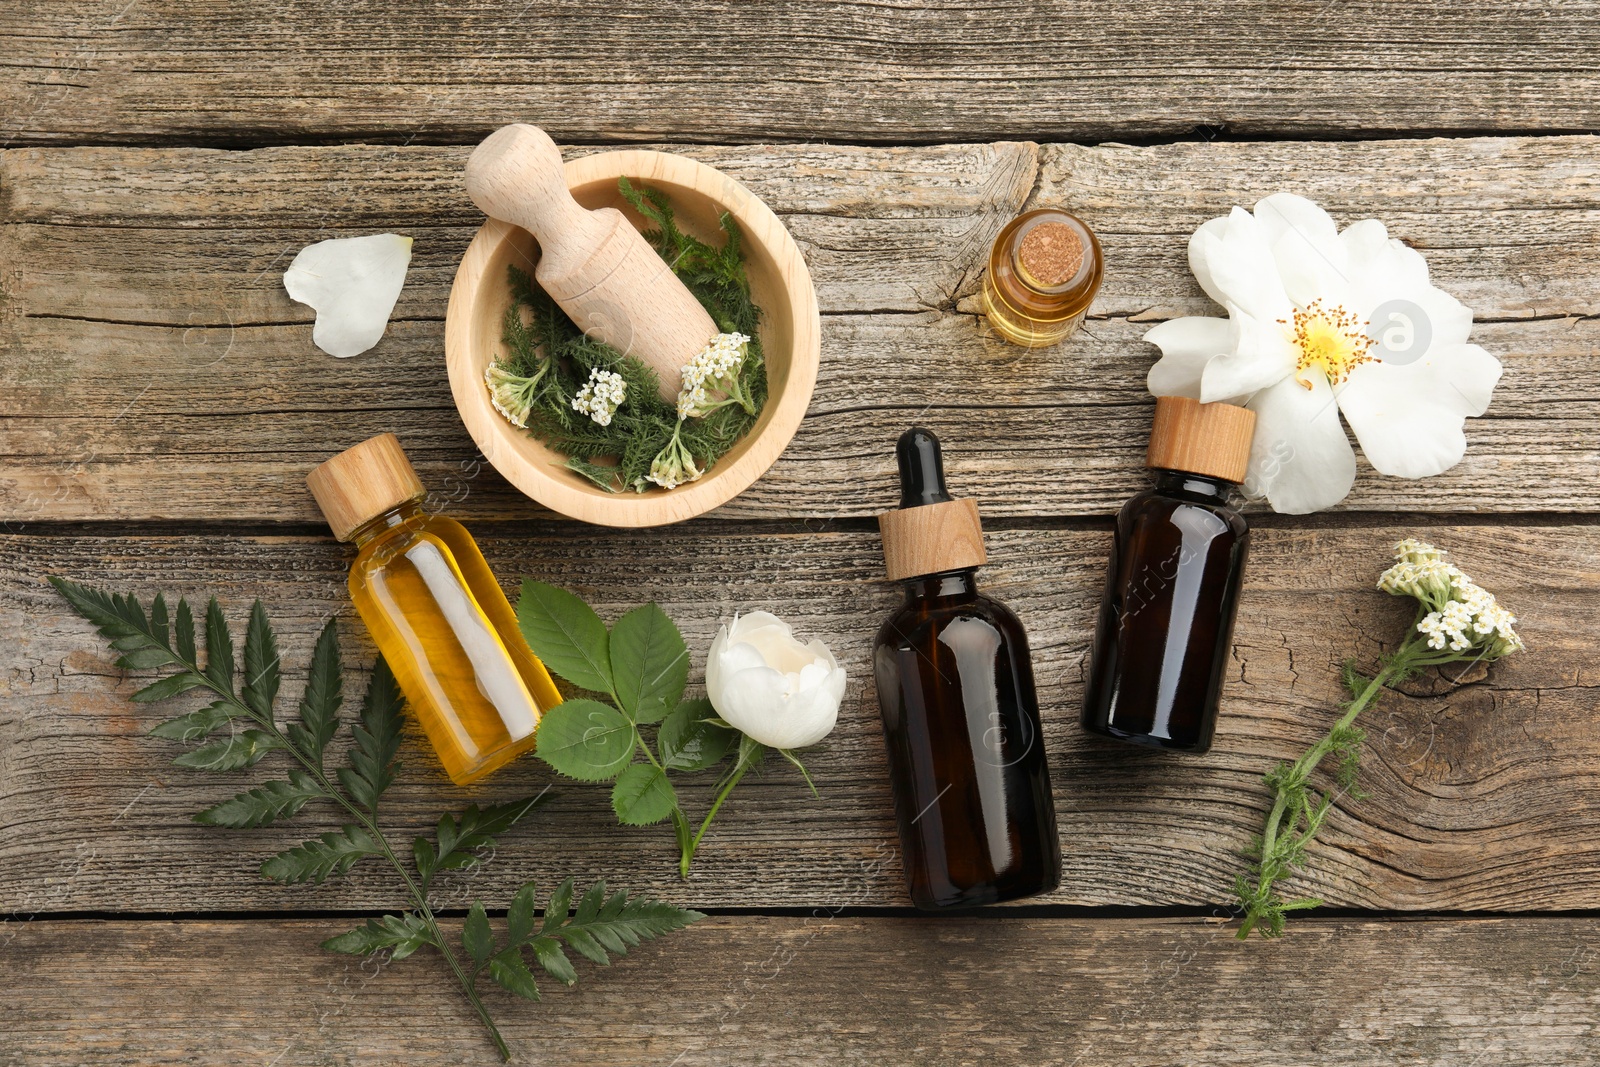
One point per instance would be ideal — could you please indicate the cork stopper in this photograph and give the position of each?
(363, 482)
(929, 533)
(1050, 255)
(1196, 438)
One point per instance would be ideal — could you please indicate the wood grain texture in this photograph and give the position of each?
(1483, 797)
(168, 376)
(827, 989)
(907, 71)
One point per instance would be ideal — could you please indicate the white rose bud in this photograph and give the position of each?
(769, 686)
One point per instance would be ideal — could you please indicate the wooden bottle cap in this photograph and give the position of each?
(929, 533)
(1196, 438)
(363, 482)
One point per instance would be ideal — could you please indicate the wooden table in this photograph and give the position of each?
(162, 403)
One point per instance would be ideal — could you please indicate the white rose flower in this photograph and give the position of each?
(766, 684)
(1322, 322)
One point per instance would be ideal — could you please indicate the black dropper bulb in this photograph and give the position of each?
(921, 468)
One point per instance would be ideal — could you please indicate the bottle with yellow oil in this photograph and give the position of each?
(435, 610)
(1044, 271)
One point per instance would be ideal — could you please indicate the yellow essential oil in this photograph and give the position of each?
(436, 612)
(1044, 272)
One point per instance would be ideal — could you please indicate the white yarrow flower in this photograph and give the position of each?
(1461, 615)
(600, 396)
(1322, 322)
(712, 375)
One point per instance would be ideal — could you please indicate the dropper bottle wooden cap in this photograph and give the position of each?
(1196, 438)
(363, 482)
(929, 533)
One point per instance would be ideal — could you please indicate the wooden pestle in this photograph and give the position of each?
(593, 263)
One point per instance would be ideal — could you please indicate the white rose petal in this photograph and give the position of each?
(353, 283)
(766, 684)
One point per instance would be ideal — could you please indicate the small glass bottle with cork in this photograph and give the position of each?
(1044, 272)
(433, 607)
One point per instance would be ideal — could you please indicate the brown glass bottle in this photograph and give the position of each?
(1163, 636)
(961, 721)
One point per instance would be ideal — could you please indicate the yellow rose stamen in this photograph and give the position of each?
(1330, 339)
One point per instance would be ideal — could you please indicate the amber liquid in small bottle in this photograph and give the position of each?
(1163, 636)
(441, 621)
(961, 722)
(1044, 272)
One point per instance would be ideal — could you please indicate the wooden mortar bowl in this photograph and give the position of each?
(779, 282)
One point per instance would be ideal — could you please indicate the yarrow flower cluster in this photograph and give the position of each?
(512, 394)
(714, 371)
(1461, 615)
(674, 466)
(600, 396)
(1457, 620)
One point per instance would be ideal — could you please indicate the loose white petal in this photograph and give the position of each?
(353, 283)
(1408, 418)
(1187, 345)
(1300, 460)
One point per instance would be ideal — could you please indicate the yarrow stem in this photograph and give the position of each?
(1456, 620)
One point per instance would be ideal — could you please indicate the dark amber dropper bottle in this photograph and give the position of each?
(955, 688)
(1162, 639)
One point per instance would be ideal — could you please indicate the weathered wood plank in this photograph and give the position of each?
(225, 71)
(169, 376)
(1487, 797)
(847, 991)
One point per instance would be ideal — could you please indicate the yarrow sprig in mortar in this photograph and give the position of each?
(601, 925)
(1456, 620)
(593, 403)
(766, 690)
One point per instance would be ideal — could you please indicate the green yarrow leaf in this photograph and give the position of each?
(219, 647)
(649, 663)
(586, 740)
(120, 620)
(184, 628)
(319, 705)
(197, 724)
(373, 763)
(512, 975)
(261, 676)
(169, 686)
(400, 934)
(642, 795)
(266, 803)
(566, 634)
(244, 749)
(464, 840)
(476, 937)
(689, 739)
(520, 917)
(604, 926)
(315, 860)
(548, 952)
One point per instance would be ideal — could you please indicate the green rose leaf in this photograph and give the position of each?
(566, 634)
(643, 796)
(649, 662)
(586, 740)
(690, 741)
